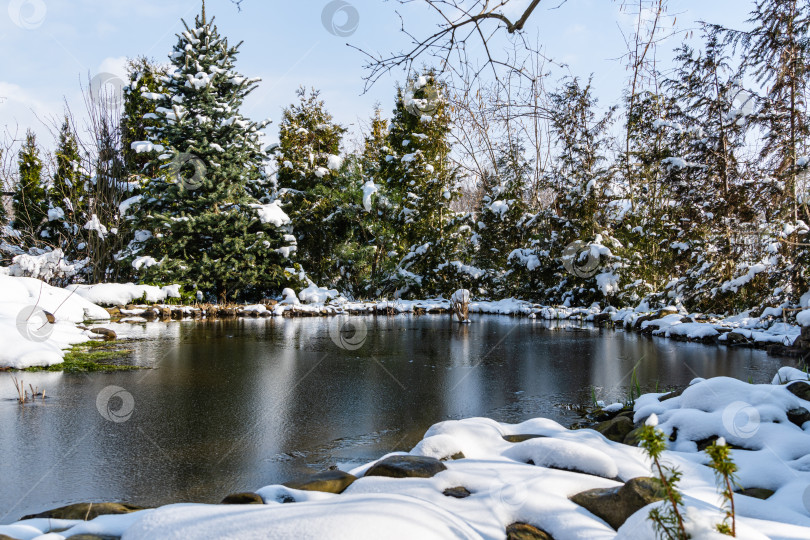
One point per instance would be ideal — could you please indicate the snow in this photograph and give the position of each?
(55, 214)
(272, 213)
(289, 297)
(120, 294)
(127, 204)
(803, 317)
(529, 481)
(369, 189)
(499, 207)
(334, 162)
(141, 147)
(46, 266)
(608, 283)
(94, 224)
(735, 284)
(27, 338)
(317, 295)
(143, 262)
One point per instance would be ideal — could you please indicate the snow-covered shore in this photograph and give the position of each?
(474, 478)
(37, 322)
(43, 343)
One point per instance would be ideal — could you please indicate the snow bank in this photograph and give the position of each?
(529, 481)
(28, 338)
(317, 295)
(120, 294)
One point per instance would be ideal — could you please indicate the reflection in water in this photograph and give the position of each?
(236, 405)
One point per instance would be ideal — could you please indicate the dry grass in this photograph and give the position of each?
(22, 394)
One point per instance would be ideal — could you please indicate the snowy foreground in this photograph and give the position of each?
(34, 342)
(526, 482)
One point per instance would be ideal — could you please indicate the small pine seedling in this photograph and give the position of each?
(668, 520)
(724, 469)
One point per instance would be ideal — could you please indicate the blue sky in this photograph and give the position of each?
(285, 43)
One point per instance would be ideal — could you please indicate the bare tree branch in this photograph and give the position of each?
(461, 23)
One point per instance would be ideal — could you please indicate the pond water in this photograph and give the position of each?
(236, 405)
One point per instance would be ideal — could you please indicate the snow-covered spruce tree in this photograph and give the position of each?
(776, 53)
(67, 197)
(197, 222)
(650, 223)
(310, 182)
(709, 125)
(139, 119)
(503, 223)
(420, 183)
(579, 178)
(379, 212)
(30, 205)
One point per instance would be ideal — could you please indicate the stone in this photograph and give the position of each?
(165, 313)
(643, 319)
(799, 416)
(615, 505)
(524, 531)
(669, 310)
(520, 438)
(735, 338)
(757, 493)
(800, 389)
(149, 315)
(109, 335)
(49, 317)
(673, 394)
(634, 437)
(805, 333)
(457, 455)
(243, 498)
(407, 467)
(458, 492)
(615, 429)
(86, 511)
(328, 481)
(602, 319)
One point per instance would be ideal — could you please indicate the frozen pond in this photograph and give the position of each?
(237, 405)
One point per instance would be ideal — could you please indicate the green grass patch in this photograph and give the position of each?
(92, 356)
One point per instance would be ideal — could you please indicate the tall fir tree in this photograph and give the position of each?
(503, 224)
(580, 180)
(421, 182)
(311, 181)
(139, 119)
(376, 205)
(67, 196)
(197, 222)
(30, 204)
(777, 54)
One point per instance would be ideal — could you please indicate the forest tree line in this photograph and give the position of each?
(692, 190)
